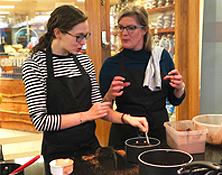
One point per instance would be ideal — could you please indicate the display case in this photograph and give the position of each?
(14, 112)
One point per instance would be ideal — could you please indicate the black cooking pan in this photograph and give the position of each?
(162, 161)
(6, 168)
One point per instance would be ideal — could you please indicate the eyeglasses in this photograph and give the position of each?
(129, 29)
(79, 38)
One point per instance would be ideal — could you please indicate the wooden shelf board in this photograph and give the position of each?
(161, 8)
(167, 30)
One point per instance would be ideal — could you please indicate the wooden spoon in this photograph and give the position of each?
(147, 138)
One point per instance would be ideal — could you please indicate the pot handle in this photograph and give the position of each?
(201, 165)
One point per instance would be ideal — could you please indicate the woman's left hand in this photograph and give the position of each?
(139, 122)
(176, 79)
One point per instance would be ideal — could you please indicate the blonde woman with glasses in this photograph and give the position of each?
(139, 78)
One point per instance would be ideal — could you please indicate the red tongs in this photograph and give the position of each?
(25, 165)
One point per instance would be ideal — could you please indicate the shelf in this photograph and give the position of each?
(167, 30)
(161, 9)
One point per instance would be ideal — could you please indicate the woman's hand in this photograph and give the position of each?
(97, 111)
(176, 81)
(116, 88)
(139, 122)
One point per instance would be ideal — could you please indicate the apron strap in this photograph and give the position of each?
(79, 65)
(49, 64)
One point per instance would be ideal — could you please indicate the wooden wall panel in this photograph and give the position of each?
(187, 54)
(99, 20)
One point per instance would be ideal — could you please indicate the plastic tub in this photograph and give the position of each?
(184, 135)
(213, 122)
(61, 166)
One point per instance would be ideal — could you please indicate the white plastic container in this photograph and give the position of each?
(65, 167)
(184, 135)
(213, 122)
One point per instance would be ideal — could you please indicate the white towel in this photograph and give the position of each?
(152, 78)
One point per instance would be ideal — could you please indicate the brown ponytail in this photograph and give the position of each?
(42, 44)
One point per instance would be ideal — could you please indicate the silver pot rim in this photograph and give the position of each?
(142, 146)
(166, 150)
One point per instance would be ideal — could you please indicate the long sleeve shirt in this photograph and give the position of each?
(135, 60)
(34, 77)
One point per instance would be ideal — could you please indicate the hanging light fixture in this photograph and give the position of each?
(11, 0)
(7, 6)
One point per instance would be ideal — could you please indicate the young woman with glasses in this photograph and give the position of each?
(62, 94)
(139, 78)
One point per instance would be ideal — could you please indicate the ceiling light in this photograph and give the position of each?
(11, 0)
(80, 0)
(7, 6)
(4, 13)
(2, 16)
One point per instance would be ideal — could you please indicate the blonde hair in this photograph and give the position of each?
(141, 17)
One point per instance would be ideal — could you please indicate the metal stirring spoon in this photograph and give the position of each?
(147, 138)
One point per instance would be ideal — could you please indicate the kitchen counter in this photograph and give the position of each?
(212, 154)
(107, 163)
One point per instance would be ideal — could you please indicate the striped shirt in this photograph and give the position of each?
(34, 75)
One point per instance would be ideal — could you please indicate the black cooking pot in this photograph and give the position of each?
(7, 168)
(200, 168)
(134, 146)
(162, 161)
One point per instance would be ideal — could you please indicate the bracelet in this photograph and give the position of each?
(183, 87)
(122, 118)
(80, 118)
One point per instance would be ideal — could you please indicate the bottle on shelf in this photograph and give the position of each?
(2, 45)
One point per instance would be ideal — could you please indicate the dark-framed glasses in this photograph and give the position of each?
(130, 29)
(79, 38)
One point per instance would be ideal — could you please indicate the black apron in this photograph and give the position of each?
(139, 101)
(65, 96)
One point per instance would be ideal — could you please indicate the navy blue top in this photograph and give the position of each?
(134, 60)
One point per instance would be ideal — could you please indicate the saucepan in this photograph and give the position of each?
(162, 161)
(134, 146)
(201, 168)
(7, 168)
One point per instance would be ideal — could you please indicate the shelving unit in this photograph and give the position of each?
(161, 31)
(153, 13)
(162, 26)
(170, 7)
(163, 35)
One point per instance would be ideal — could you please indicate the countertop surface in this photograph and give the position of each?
(108, 162)
(212, 154)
